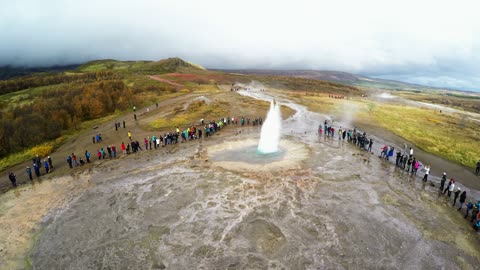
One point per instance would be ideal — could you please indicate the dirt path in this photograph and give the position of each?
(83, 142)
(157, 78)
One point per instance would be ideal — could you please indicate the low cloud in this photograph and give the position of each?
(383, 38)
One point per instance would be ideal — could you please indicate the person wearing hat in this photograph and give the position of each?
(50, 162)
(456, 194)
(442, 182)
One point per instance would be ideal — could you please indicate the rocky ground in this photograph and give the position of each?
(179, 208)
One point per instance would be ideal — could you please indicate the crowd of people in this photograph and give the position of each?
(37, 165)
(351, 135)
(193, 132)
(407, 162)
(405, 159)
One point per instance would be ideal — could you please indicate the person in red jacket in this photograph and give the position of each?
(124, 150)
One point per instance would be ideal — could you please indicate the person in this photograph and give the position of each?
(442, 182)
(123, 148)
(474, 212)
(29, 173)
(416, 165)
(114, 151)
(129, 135)
(462, 199)
(74, 159)
(45, 164)
(87, 156)
(476, 225)
(455, 195)
(69, 161)
(390, 152)
(450, 187)
(427, 171)
(50, 162)
(37, 161)
(404, 161)
(398, 158)
(477, 170)
(138, 146)
(134, 108)
(36, 169)
(82, 162)
(109, 150)
(99, 154)
(383, 153)
(135, 117)
(411, 151)
(123, 123)
(409, 163)
(469, 207)
(13, 179)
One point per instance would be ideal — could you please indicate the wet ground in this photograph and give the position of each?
(339, 208)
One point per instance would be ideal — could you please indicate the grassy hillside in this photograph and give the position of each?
(52, 105)
(145, 67)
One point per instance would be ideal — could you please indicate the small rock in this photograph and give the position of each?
(158, 266)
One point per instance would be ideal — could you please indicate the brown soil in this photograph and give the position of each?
(157, 78)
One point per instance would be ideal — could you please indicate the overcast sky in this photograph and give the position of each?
(433, 42)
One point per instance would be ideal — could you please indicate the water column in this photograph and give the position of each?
(271, 128)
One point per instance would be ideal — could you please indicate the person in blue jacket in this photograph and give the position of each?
(45, 164)
(36, 169)
(29, 173)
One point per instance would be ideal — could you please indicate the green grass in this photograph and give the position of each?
(16, 98)
(111, 64)
(183, 118)
(463, 96)
(439, 134)
(434, 132)
(41, 150)
(46, 148)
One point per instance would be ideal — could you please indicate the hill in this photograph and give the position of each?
(174, 64)
(56, 105)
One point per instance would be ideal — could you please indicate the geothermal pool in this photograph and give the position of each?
(317, 204)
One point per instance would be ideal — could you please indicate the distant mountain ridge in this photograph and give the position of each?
(10, 72)
(336, 76)
(174, 64)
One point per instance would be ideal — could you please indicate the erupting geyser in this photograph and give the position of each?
(270, 135)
